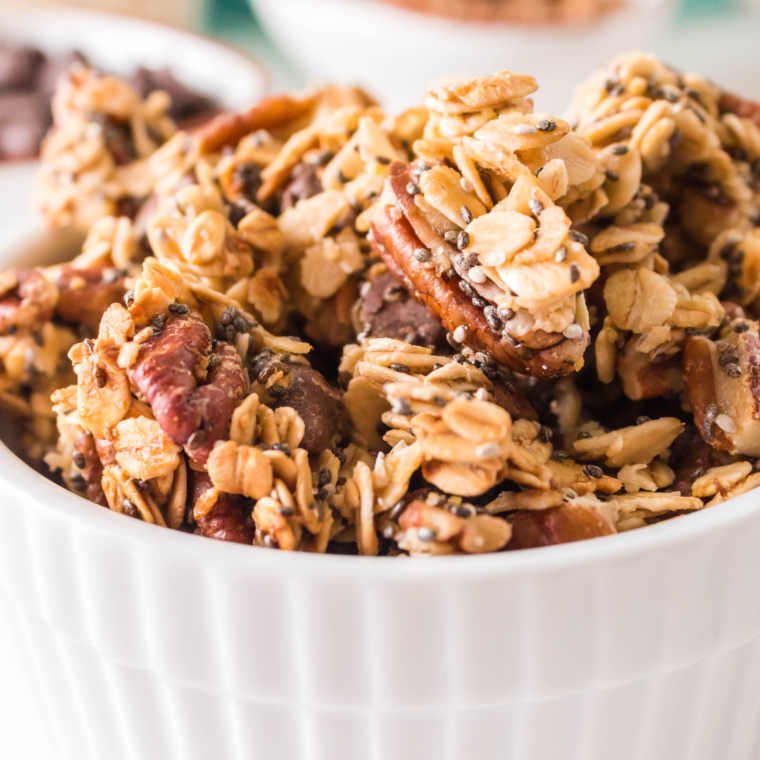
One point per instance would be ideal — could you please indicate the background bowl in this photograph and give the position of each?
(120, 45)
(151, 644)
(399, 54)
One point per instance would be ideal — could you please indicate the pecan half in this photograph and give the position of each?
(27, 300)
(85, 294)
(166, 372)
(226, 520)
(394, 238)
(90, 467)
(558, 525)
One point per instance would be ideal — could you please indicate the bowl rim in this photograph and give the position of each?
(53, 500)
(676, 534)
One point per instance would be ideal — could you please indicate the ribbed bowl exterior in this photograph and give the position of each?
(152, 645)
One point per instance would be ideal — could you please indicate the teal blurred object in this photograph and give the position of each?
(221, 15)
(702, 7)
(691, 7)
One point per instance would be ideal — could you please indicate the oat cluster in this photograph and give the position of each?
(466, 328)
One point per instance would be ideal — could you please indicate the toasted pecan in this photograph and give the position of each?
(166, 372)
(395, 241)
(226, 520)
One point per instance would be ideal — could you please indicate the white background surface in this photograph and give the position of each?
(725, 51)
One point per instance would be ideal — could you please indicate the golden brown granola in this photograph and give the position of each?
(243, 357)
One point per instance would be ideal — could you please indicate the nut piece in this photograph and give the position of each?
(559, 525)
(542, 354)
(85, 294)
(166, 372)
(225, 519)
(387, 311)
(92, 471)
(724, 388)
(322, 409)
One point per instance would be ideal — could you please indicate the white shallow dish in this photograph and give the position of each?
(149, 644)
(120, 44)
(398, 54)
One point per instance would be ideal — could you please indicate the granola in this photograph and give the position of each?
(317, 327)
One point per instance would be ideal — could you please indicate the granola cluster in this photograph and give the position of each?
(317, 327)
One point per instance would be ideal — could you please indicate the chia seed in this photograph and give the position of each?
(467, 216)
(100, 376)
(178, 308)
(494, 323)
(593, 471)
(546, 125)
(578, 237)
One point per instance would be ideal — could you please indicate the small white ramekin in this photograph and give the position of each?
(149, 644)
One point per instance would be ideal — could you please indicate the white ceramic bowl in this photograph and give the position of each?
(120, 44)
(398, 54)
(149, 644)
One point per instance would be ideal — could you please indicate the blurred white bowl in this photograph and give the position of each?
(120, 44)
(399, 54)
